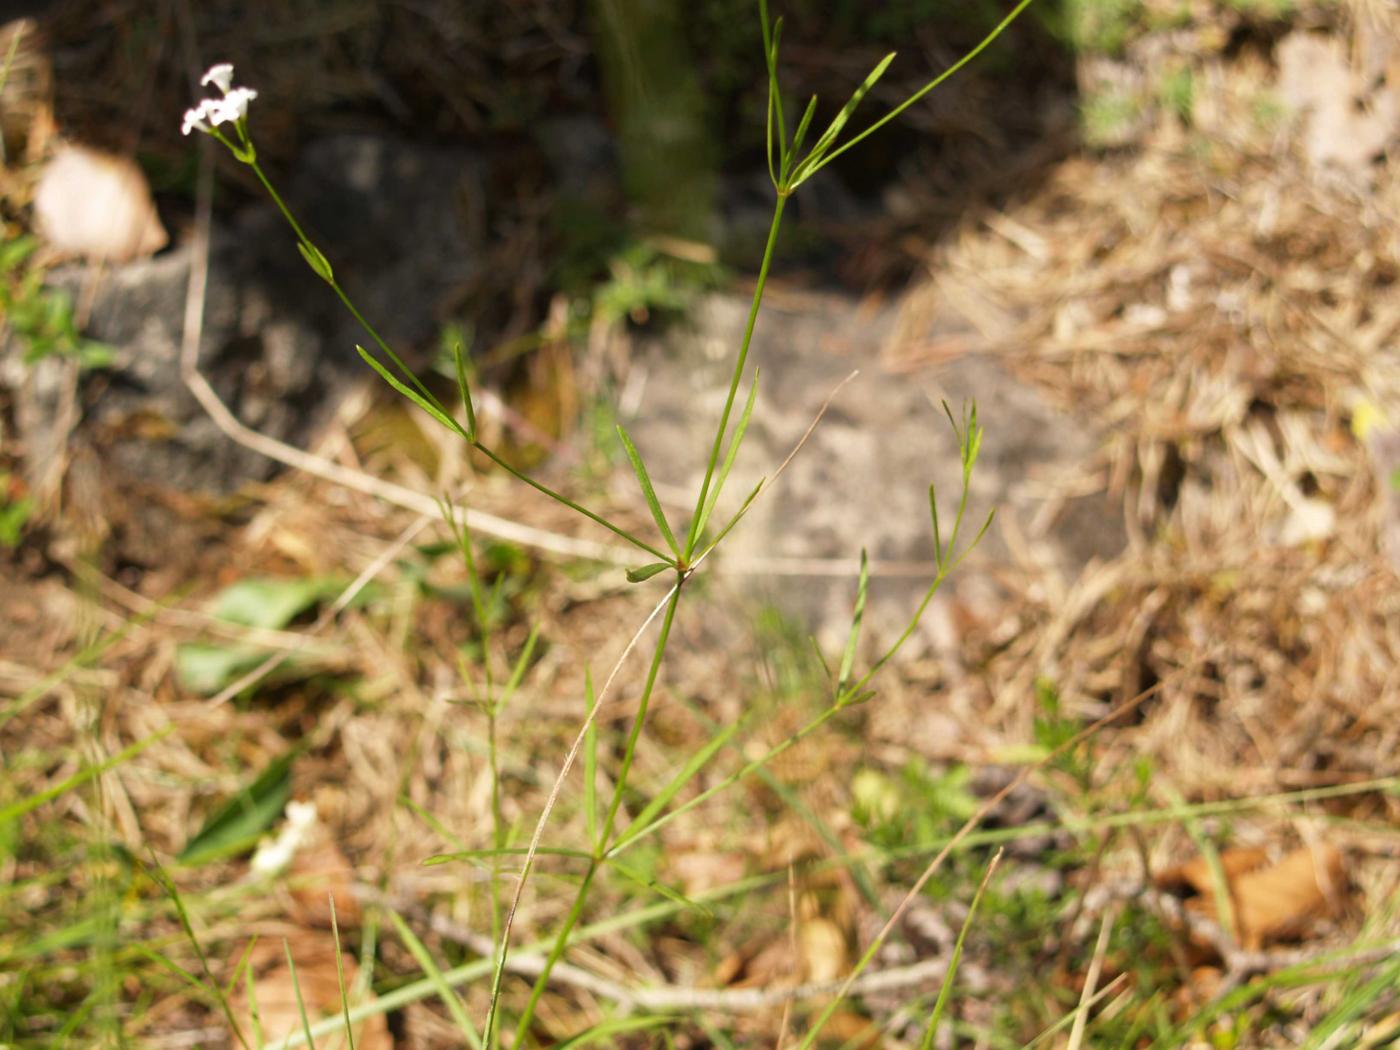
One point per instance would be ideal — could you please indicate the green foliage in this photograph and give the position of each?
(42, 318)
(1107, 117)
(1101, 27)
(237, 824)
(16, 508)
(918, 806)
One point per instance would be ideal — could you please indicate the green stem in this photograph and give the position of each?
(692, 537)
(561, 939)
(559, 498)
(409, 375)
(556, 952)
(756, 764)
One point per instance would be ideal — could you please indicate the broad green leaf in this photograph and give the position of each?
(646, 572)
(649, 493)
(269, 603)
(236, 825)
(206, 668)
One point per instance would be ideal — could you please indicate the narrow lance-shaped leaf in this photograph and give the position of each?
(938, 555)
(738, 515)
(672, 894)
(517, 673)
(927, 1042)
(813, 159)
(464, 389)
(646, 572)
(801, 134)
(649, 493)
(436, 411)
(848, 658)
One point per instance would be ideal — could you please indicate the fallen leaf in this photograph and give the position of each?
(318, 873)
(1279, 901)
(822, 946)
(1195, 873)
(1269, 901)
(97, 205)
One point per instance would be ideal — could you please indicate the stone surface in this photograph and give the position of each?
(862, 479)
(277, 345)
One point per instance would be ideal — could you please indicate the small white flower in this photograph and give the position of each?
(214, 111)
(275, 854)
(220, 75)
(234, 105)
(198, 117)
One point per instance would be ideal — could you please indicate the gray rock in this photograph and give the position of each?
(277, 345)
(862, 479)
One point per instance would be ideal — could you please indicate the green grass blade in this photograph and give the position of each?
(945, 991)
(644, 479)
(698, 761)
(465, 391)
(590, 762)
(522, 664)
(296, 987)
(340, 974)
(732, 454)
(642, 573)
(424, 959)
(608, 1031)
(506, 851)
(17, 809)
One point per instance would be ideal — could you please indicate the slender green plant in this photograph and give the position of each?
(792, 161)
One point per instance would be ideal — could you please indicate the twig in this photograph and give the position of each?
(1091, 981)
(557, 787)
(318, 466)
(676, 997)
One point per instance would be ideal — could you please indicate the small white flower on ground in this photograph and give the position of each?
(273, 856)
(221, 76)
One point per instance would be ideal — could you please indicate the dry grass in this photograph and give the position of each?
(1221, 309)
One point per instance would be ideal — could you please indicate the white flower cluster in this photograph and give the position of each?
(213, 111)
